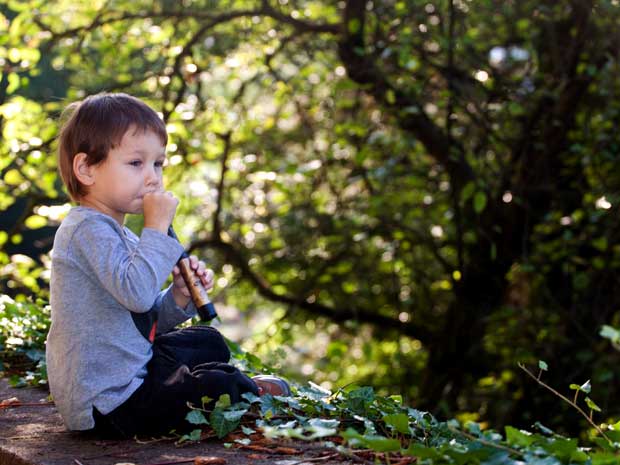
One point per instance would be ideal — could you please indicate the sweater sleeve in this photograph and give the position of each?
(133, 277)
(169, 314)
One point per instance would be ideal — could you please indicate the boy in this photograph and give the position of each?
(114, 364)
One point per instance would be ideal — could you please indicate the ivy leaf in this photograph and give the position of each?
(398, 421)
(517, 437)
(585, 387)
(193, 436)
(247, 430)
(320, 428)
(423, 452)
(196, 417)
(543, 365)
(611, 333)
(563, 449)
(223, 401)
(374, 442)
(250, 397)
(592, 405)
(225, 421)
(359, 400)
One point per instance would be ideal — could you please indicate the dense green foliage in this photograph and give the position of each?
(410, 195)
(382, 424)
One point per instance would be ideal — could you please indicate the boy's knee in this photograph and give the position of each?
(223, 350)
(214, 340)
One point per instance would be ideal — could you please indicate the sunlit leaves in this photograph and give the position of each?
(326, 196)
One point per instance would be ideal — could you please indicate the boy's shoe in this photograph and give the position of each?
(273, 385)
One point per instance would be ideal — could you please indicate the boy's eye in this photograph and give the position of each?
(135, 163)
(159, 164)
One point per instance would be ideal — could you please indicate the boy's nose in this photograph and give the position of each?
(152, 178)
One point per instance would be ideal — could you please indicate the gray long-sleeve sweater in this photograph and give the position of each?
(101, 272)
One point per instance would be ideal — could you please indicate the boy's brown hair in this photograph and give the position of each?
(96, 125)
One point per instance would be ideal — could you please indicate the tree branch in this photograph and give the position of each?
(217, 225)
(409, 113)
(340, 315)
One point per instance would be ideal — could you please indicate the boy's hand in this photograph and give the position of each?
(180, 292)
(159, 209)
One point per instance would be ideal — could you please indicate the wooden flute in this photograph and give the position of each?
(206, 309)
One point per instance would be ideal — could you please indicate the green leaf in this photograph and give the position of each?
(423, 452)
(196, 417)
(250, 397)
(223, 401)
(586, 387)
(354, 26)
(480, 201)
(320, 428)
(193, 436)
(562, 448)
(611, 333)
(604, 458)
(517, 437)
(223, 422)
(592, 405)
(374, 442)
(247, 430)
(468, 191)
(543, 365)
(398, 421)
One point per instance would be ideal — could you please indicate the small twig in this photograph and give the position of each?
(154, 440)
(352, 455)
(173, 463)
(317, 459)
(485, 442)
(33, 436)
(26, 404)
(77, 462)
(568, 401)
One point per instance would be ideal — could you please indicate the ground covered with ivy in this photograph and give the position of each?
(352, 422)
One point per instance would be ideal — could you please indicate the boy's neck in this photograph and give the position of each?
(118, 217)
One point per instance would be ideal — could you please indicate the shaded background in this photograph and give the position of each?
(410, 195)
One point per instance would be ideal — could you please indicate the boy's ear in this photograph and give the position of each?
(82, 170)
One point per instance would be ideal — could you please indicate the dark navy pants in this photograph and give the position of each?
(187, 365)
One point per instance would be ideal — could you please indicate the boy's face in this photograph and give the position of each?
(131, 169)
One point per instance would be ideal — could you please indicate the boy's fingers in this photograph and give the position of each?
(208, 279)
(200, 271)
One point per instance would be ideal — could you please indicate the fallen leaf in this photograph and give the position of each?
(286, 450)
(255, 447)
(8, 402)
(257, 456)
(209, 461)
(290, 462)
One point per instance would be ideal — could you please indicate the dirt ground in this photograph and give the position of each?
(33, 434)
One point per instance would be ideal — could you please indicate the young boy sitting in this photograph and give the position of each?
(115, 364)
